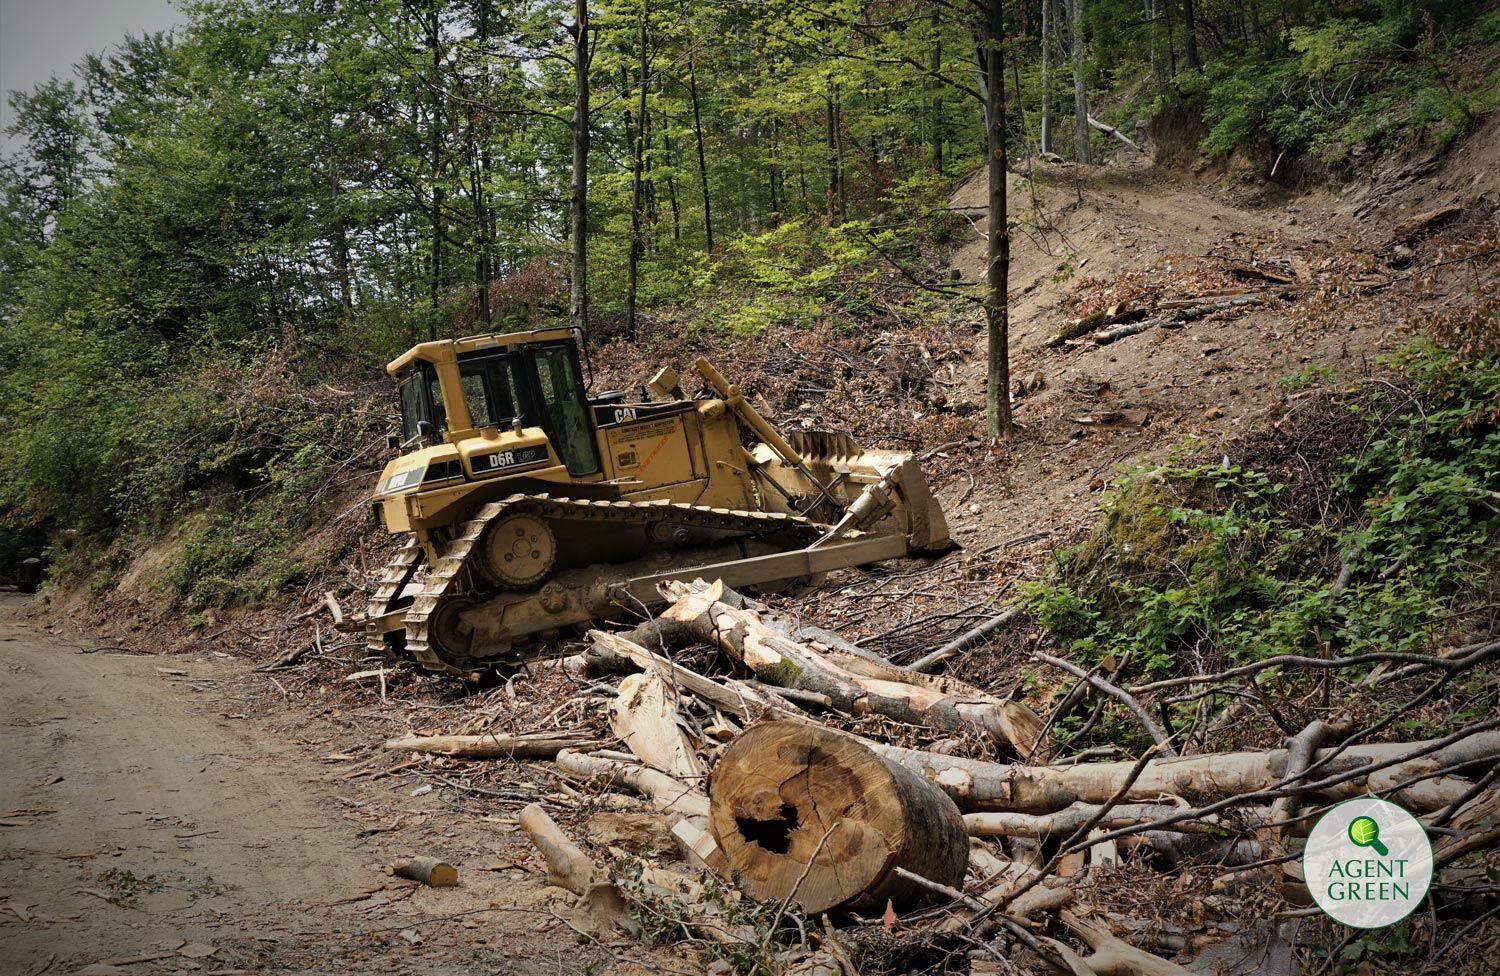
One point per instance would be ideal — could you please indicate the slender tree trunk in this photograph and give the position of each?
(636, 178)
(435, 148)
(578, 200)
(666, 135)
(937, 94)
(1080, 93)
(997, 258)
(484, 261)
(1190, 35)
(1047, 28)
(708, 212)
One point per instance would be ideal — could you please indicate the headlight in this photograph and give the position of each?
(402, 480)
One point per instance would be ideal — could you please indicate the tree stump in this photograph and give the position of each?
(805, 812)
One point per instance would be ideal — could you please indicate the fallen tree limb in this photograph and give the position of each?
(1070, 818)
(965, 640)
(567, 866)
(1178, 317)
(1095, 681)
(1116, 957)
(494, 746)
(1110, 130)
(980, 786)
(663, 791)
(615, 653)
(854, 685)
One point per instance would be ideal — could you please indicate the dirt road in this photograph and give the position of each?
(142, 816)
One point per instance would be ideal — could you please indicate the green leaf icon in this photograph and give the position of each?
(1365, 832)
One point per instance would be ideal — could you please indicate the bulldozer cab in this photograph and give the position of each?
(500, 386)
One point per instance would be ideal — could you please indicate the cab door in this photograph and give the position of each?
(564, 410)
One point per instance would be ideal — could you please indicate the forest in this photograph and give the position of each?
(1147, 352)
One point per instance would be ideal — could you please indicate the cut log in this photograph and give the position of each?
(664, 792)
(644, 716)
(810, 814)
(524, 746)
(699, 848)
(428, 870)
(978, 786)
(567, 866)
(854, 685)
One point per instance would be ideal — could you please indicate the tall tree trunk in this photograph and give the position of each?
(1080, 93)
(637, 172)
(997, 256)
(708, 213)
(435, 149)
(484, 261)
(1047, 27)
(666, 135)
(1190, 35)
(937, 93)
(578, 199)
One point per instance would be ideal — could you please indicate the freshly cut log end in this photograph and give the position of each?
(804, 812)
(428, 870)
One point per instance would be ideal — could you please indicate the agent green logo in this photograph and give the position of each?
(1368, 863)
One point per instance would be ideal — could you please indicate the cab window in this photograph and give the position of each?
(421, 399)
(564, 411)
(490, 392)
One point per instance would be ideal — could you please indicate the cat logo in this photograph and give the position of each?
(624, 414)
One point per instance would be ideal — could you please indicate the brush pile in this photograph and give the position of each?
(786, 801)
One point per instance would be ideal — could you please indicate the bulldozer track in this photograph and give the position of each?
(445, 578)
(398, 572)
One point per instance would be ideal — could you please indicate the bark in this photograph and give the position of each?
(1080, 93)
(991, 55)
(428, 870)
(567, 866)
(1115, 957)
(978, 786)
(496, 746)
(937, 93)
(637, 175)
(1190, 35)
(1047, 28)
(853, 685)
(615, 653)
(578, 198)
(1063, 822)
(808, 814)
(708, 212)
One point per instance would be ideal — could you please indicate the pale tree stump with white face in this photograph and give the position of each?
(810, 813)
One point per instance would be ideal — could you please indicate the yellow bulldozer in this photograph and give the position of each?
(530, 507)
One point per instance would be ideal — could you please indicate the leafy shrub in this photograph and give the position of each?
(1202, 562)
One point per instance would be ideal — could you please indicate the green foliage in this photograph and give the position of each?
(1313, 374)
(1196, 563)
(1391, 76)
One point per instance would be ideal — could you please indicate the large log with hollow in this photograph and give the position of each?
(854, 685)
(977, 786)
(807, 813)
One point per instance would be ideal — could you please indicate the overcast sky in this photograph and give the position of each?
(42, 38)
